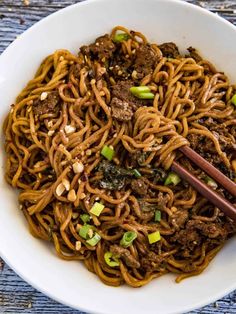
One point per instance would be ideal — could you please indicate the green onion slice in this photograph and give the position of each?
(128, 238)
(94, 240)
(146, 95)
(154, 237)
(172, 178)
(142, 92)
(107, 152)
(157, 215)
(97, 209)
(136, 90)
(136, 173)
(209, 181)
(86, 232)
(233, 100)
(118, 38)
(111, 260)
(85, 218)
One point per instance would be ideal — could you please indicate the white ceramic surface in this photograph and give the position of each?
(34, 260)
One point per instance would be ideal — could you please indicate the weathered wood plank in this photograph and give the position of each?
(16, 296)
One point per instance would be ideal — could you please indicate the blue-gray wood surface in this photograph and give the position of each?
(16, 296)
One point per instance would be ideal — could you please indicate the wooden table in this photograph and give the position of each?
(16, 296)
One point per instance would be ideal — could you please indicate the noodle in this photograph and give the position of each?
(63, 118)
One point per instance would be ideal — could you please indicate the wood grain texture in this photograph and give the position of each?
(16, 296)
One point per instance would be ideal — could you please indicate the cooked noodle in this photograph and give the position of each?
(62, 119)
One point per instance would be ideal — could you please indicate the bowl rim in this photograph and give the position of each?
(17, 270)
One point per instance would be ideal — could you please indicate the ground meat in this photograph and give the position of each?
(103, 48)
(179, 218)
(230, 227)
(169, 50)
(146, 207)
(120, 67)
(146, 59)
(75, 70)
(162, 201)
(208, 229)
(139, 186)
(125, 255)
(138, 158)
(121, 90)
(151, 261)
(120, 110)
(222, 133)
(50, 105)
(194, 54)
(194, 140)
(188, 238)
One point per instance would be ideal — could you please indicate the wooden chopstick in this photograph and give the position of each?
(214, 173)
(215, 198)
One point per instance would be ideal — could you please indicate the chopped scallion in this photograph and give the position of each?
(157, 215)
(172, 178)
(118, 38)
(128, 238)
(142, 92)
(209, 181)
(154, 237)
(146, 95)
(111, 260)
(136, 90)
(85, 218)
(94, 240)
(86, 232)
(97, 209)
(233, 100)
(107, 152)
(136, 173)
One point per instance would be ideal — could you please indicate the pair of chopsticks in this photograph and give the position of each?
(212, 196)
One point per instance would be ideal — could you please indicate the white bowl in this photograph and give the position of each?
(34, 260)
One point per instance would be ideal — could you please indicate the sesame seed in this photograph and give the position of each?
(90, 233)
(75, 215)
(88, 152)
(66, 184)
(60, 189)
(50, 133)
(77, 245)
(78, 167)
(43, 96)
(69, 129)
(134, 74)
